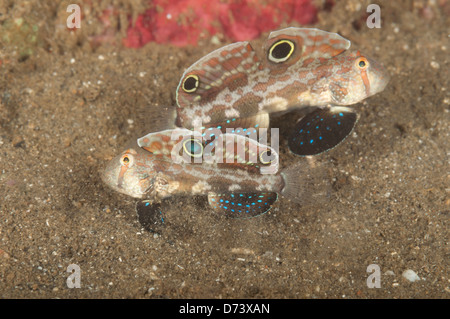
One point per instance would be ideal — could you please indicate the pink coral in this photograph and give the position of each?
(141, 33)
(184, 22)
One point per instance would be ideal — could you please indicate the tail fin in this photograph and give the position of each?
(306, 183)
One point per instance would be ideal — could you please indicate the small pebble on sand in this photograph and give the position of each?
(410, 275)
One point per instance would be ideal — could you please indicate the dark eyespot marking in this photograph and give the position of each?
(190, 83)
(266, 157)
(193, 147)
(281, 51)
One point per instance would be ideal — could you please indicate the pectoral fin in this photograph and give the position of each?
(322, 130)
(242, 205)
(150, 216)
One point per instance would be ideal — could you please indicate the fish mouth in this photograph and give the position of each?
(122, 171)
(114, 178)
(379, 77)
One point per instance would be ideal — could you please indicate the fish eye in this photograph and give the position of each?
(190, 83)
(362, 63)
(193, 147)
(127, 160)
(281, 51)
(266, 157)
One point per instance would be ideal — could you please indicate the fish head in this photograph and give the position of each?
(357, 78)
(131, 173)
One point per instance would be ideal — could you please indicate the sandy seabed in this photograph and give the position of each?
(65, 113)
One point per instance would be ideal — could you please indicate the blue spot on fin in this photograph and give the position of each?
(242, 205)
(332, 126)
(150, 216)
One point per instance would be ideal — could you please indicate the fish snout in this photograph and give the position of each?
(378, 77)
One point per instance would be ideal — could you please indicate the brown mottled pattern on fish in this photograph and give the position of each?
(239, 188)
(137, 172)
(301, 67)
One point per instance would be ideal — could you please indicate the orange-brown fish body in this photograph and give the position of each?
(240, 188)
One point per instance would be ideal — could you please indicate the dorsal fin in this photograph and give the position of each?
(162, 143)
(233, 150)
(301, 46)
(225, 69)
